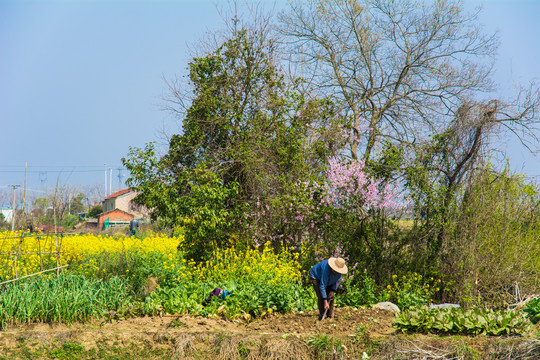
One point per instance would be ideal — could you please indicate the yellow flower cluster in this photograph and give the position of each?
(413, 289)
(21, 255)
(267, 267)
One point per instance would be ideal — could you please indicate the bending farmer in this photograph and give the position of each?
(325, 277)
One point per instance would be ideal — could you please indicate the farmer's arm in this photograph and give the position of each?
(323, 284)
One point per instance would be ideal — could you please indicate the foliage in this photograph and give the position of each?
(76, 204)
(137, 267)
(95, 211)
(454, 320)
(412, 290)
(263, 267)
(533, 310)
(493, 249)
(260, 283)
(212, 216)
(69, 221)
(362, 293)
(66, 298)
(249, 299)
(243, 138)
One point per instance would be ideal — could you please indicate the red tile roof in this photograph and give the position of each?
(118, 193)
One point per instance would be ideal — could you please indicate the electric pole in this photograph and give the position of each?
(105, 187)
(13, 207)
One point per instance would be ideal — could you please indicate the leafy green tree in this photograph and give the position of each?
(244, 140)
(76, 204)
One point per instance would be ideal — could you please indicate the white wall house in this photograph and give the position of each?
(121, 200)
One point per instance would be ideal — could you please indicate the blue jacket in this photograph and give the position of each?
(326, 277)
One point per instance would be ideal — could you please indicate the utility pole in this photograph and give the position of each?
(13, 207)
(110, 181)
(105, 193)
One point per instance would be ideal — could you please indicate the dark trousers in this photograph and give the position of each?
(320, 301)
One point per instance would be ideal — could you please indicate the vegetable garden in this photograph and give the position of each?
(116, 278)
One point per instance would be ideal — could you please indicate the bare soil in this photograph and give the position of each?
(351, 333)
(205, 336)
(347, 321)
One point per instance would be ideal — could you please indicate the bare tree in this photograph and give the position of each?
(400, 69)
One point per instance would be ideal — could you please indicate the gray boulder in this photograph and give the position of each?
(387, 305)
(445, 305)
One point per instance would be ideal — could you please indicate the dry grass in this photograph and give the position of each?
(183, 347)
(150, 285)
(282, 349)
(512, 350)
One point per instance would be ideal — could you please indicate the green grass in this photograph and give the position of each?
(76, 351)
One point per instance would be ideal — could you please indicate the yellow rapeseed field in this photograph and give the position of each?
(22, 255)
(267, 267)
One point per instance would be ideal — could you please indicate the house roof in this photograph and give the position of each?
(118, 193)
(114, 210)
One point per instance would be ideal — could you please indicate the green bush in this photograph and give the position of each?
(494, 240)
(533, 310)
(363, 293)
(69, 221)
(460, 321)
(412, 290)
(95, 211)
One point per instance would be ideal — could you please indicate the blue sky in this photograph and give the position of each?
(81, 81)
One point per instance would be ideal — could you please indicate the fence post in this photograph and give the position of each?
(58, 248)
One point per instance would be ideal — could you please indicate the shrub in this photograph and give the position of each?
(533, 310)
(69, 221)
(95, 211)
(412, 290)
(494, 245)
(362, 293)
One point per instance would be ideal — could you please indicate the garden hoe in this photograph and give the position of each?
(324, 315)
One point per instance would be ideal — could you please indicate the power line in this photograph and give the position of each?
(51, 171)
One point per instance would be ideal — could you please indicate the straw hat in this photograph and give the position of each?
(338, 265)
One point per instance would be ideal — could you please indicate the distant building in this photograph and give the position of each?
(119, 210)
(114, 218)
(8, 214)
